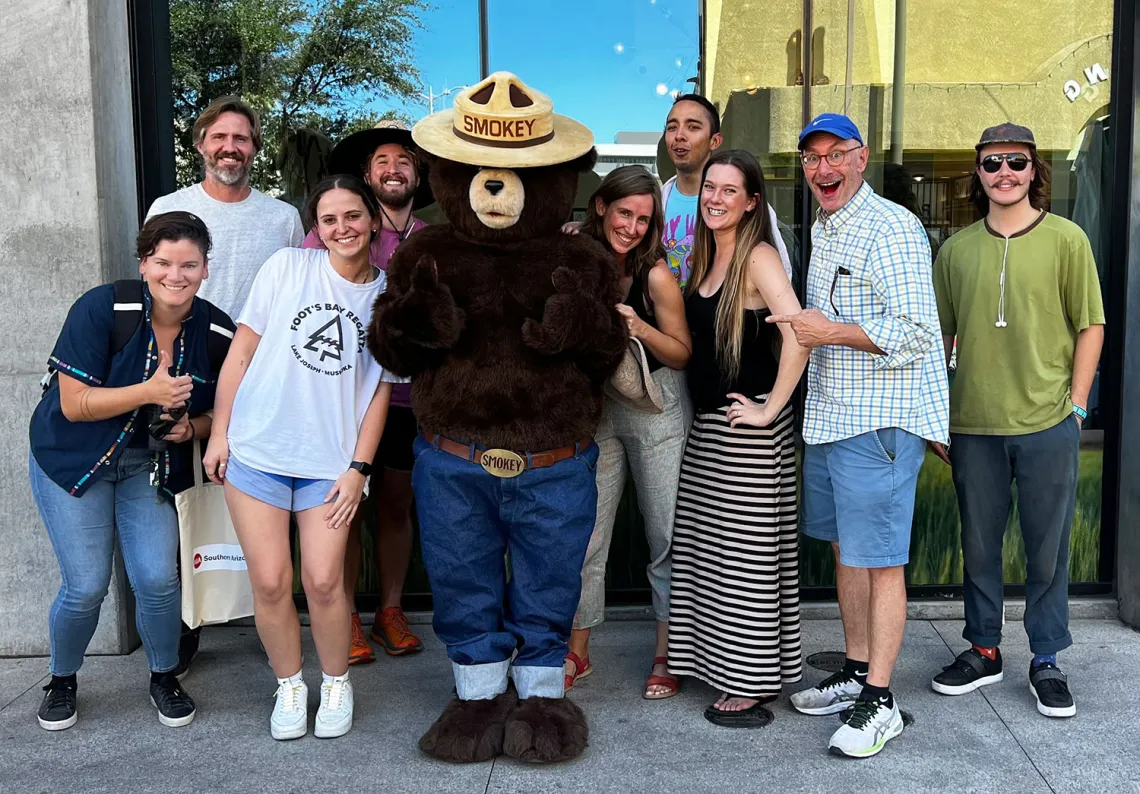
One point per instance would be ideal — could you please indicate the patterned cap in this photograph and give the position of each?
(1006, 133)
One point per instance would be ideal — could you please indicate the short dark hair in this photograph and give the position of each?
(341, 182)
(227, 104)
(1038, 188)
(172, 226)
(710, 108)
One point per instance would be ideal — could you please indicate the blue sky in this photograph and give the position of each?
(603, 62)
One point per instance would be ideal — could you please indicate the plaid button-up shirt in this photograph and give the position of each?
(871, 265)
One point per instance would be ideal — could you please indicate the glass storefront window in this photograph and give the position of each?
(959, 74)
(616, 65)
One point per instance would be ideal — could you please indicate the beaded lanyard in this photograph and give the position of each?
(180, 343)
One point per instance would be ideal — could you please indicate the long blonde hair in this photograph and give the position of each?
(754, 228)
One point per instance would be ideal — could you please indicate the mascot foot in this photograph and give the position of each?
(469, 731)
(546, 729)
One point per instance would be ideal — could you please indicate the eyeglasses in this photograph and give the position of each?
(834, 159)
(839, 271)
(1018, 161)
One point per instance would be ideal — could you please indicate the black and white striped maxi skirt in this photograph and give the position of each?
(734, 614)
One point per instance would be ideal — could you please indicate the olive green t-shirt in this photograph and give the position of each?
(1015, 380)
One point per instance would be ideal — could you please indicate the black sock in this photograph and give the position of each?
(855, 669)
(64, 679)
(156, 677)
(877, 694)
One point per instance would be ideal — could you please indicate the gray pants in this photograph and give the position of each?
(1044, 466)
(649, 447)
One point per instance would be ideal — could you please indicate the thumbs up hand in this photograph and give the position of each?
(167, 391)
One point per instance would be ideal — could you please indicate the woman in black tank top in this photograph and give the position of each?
(735, 541)
(626, 217)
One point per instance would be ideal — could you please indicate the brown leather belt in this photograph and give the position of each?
(505, 463)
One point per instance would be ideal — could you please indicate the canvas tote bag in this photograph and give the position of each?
(215, 582)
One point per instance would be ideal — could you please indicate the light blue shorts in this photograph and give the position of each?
(860, 492)
(288, 493)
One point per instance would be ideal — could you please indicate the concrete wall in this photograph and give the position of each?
(67, 186)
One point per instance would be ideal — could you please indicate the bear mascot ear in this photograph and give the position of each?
(586, 162)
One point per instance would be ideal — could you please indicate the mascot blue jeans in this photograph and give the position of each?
(469, 520)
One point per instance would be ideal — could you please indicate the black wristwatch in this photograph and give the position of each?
(361, 466)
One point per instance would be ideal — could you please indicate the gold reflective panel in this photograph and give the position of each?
(964, 65)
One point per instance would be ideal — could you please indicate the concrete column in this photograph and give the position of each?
(67, 185)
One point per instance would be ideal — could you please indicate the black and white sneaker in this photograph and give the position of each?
(187, 650)
(175, 707)
(57, 711)
(1051, 689)
(968, 672)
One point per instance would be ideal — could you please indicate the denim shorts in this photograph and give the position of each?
(859, 492)
(288, 493)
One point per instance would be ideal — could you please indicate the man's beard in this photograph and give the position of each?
(227, 174)
(398, 196)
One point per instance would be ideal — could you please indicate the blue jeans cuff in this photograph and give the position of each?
(480, 681)
(538, 682)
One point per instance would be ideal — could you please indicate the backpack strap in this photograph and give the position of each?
(218, 340)
(128, 312)
(128, 308)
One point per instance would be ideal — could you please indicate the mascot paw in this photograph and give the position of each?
(469, 731)
(546, 729)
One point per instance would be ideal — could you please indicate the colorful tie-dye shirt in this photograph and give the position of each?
(680, 227)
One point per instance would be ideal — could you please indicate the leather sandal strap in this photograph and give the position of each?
(579, 663)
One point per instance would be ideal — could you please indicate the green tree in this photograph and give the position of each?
(302, 64)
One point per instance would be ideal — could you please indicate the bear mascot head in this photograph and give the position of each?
(508, 330)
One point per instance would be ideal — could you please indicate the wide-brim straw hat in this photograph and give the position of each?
(503, 123)
(351, 153)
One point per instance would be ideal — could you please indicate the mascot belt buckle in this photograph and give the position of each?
(502, 463)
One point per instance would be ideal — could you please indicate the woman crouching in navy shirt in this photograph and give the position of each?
(106, 456)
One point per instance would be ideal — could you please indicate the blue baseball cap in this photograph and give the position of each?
(835, 123)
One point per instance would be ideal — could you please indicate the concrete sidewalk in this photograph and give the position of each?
(989, 741)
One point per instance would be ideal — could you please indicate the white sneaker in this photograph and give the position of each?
(869, 728)
(290, 718)
(830, 696)
(334, 717)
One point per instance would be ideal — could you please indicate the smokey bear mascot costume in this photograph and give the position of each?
(508, 329)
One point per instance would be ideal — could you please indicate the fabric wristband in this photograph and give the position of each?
(1081, 412)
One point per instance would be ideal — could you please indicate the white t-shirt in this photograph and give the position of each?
(299, 407)
(244, 234)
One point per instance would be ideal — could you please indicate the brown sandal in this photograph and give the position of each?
(582, 668)
(671, 682)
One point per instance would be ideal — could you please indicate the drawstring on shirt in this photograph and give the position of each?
(1001, 323)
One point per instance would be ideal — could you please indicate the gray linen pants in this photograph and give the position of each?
(649, 447)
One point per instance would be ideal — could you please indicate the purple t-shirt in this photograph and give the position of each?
(381, 250)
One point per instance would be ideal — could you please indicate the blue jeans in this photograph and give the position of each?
(859, 492)
(1044, 466)
(82, 532)
(469, 519)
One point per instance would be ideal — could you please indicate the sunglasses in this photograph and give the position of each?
(1018, 161)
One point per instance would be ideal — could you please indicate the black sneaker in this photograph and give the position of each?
(57, 711)
(968, 672)
(187, 650)
(1051, 688)
(175, 707)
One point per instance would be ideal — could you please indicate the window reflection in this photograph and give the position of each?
(958, 77)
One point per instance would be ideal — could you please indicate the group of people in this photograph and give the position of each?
(139, 387)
